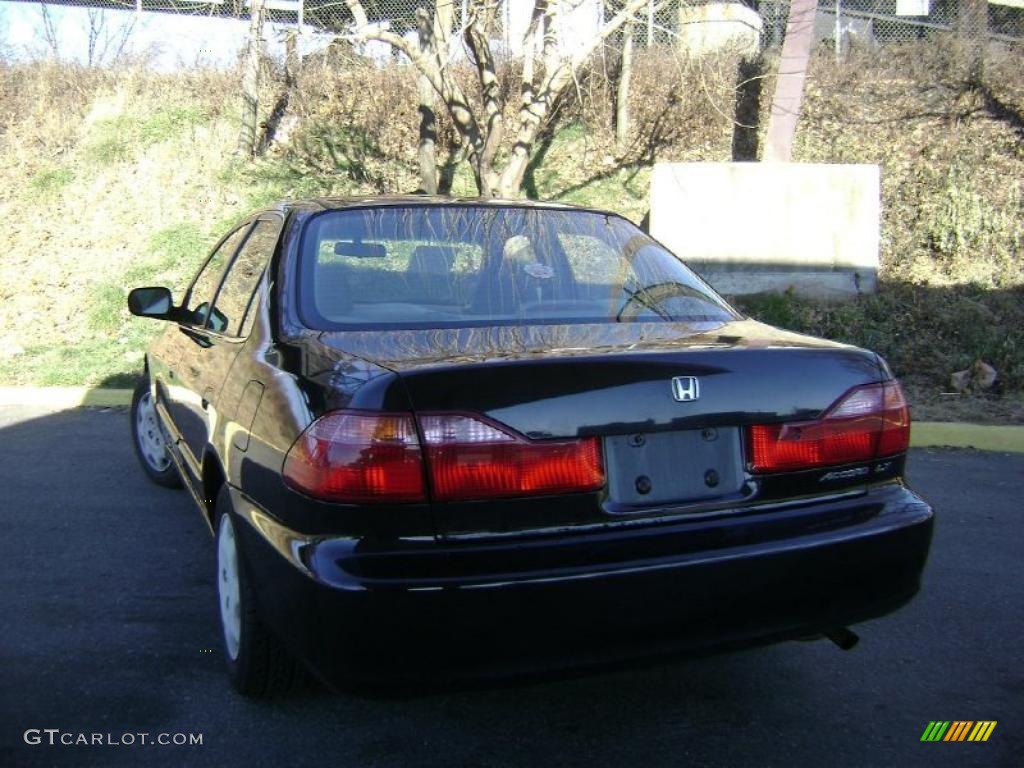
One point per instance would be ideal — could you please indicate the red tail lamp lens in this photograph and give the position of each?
(358, 457)
(470, 458)
(895, 437)
(866, 423)
(355, 457)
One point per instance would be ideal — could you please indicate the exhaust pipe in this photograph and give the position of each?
(843, 637)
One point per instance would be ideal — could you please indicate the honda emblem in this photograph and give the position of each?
(685, 389)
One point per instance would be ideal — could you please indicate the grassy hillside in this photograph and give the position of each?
(111, 179)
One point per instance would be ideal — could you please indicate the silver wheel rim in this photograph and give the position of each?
(228, 587)
(150, 435)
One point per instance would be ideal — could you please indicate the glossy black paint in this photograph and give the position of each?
(800, 553)
(514, 605)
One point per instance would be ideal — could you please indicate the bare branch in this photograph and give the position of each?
(558, 72)
(431, 68)
(49, 31)
(557, 77)
(530, 52)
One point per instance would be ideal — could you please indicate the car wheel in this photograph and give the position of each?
(150, 439)
(258, 664)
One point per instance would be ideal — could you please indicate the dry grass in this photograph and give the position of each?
(952, 194)
(93, 166)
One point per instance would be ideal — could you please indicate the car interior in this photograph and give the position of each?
(528, 270)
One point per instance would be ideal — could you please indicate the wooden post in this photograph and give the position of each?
(789, 86)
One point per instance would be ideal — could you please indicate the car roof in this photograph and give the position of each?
(340, 203)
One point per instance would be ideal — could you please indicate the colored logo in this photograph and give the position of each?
(959, 730)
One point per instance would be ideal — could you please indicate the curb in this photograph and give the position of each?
(983, 437)
(62, 398)
(923, 434)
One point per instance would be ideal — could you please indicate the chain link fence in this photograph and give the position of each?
(190, 32)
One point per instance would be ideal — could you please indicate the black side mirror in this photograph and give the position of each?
(152, 302)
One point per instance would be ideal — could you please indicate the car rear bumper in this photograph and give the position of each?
(507, 605)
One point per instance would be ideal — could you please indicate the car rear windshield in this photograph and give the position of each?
(446, 266)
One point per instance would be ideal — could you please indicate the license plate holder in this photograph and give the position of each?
(670, 467)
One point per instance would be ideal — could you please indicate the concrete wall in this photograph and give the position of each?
(717, 27)
(753, 227)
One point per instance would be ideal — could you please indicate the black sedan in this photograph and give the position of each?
(439, 437)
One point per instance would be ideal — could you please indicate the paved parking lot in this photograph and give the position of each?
(109, 626)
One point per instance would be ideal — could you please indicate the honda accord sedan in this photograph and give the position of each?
(438, 437)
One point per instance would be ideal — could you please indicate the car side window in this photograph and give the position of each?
(242, 277)
(200, 296)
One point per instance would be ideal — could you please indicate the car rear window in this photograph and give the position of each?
(445, 266)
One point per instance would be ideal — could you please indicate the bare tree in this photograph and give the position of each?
(49, 31)
(106, 43)
(246, 146)
(96, 22)
(547, 70)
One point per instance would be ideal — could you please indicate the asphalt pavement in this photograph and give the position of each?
(108, 629)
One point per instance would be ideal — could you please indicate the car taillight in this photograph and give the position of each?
(469, 458)
(866, 423)
(355, 457)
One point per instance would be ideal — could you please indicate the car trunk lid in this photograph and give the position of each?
(669, 402)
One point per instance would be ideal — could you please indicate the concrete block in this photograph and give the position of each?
(719, 27)
(755, 227)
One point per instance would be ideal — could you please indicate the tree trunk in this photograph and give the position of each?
(510, 182)
(789, 86)
(434, 33)
(251, 81)
(749, 77)
(972, 28)
(622, 94)
(291, 78)
(427, 152)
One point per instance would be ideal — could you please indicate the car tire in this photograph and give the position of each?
(259, 666)
(149, 439)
